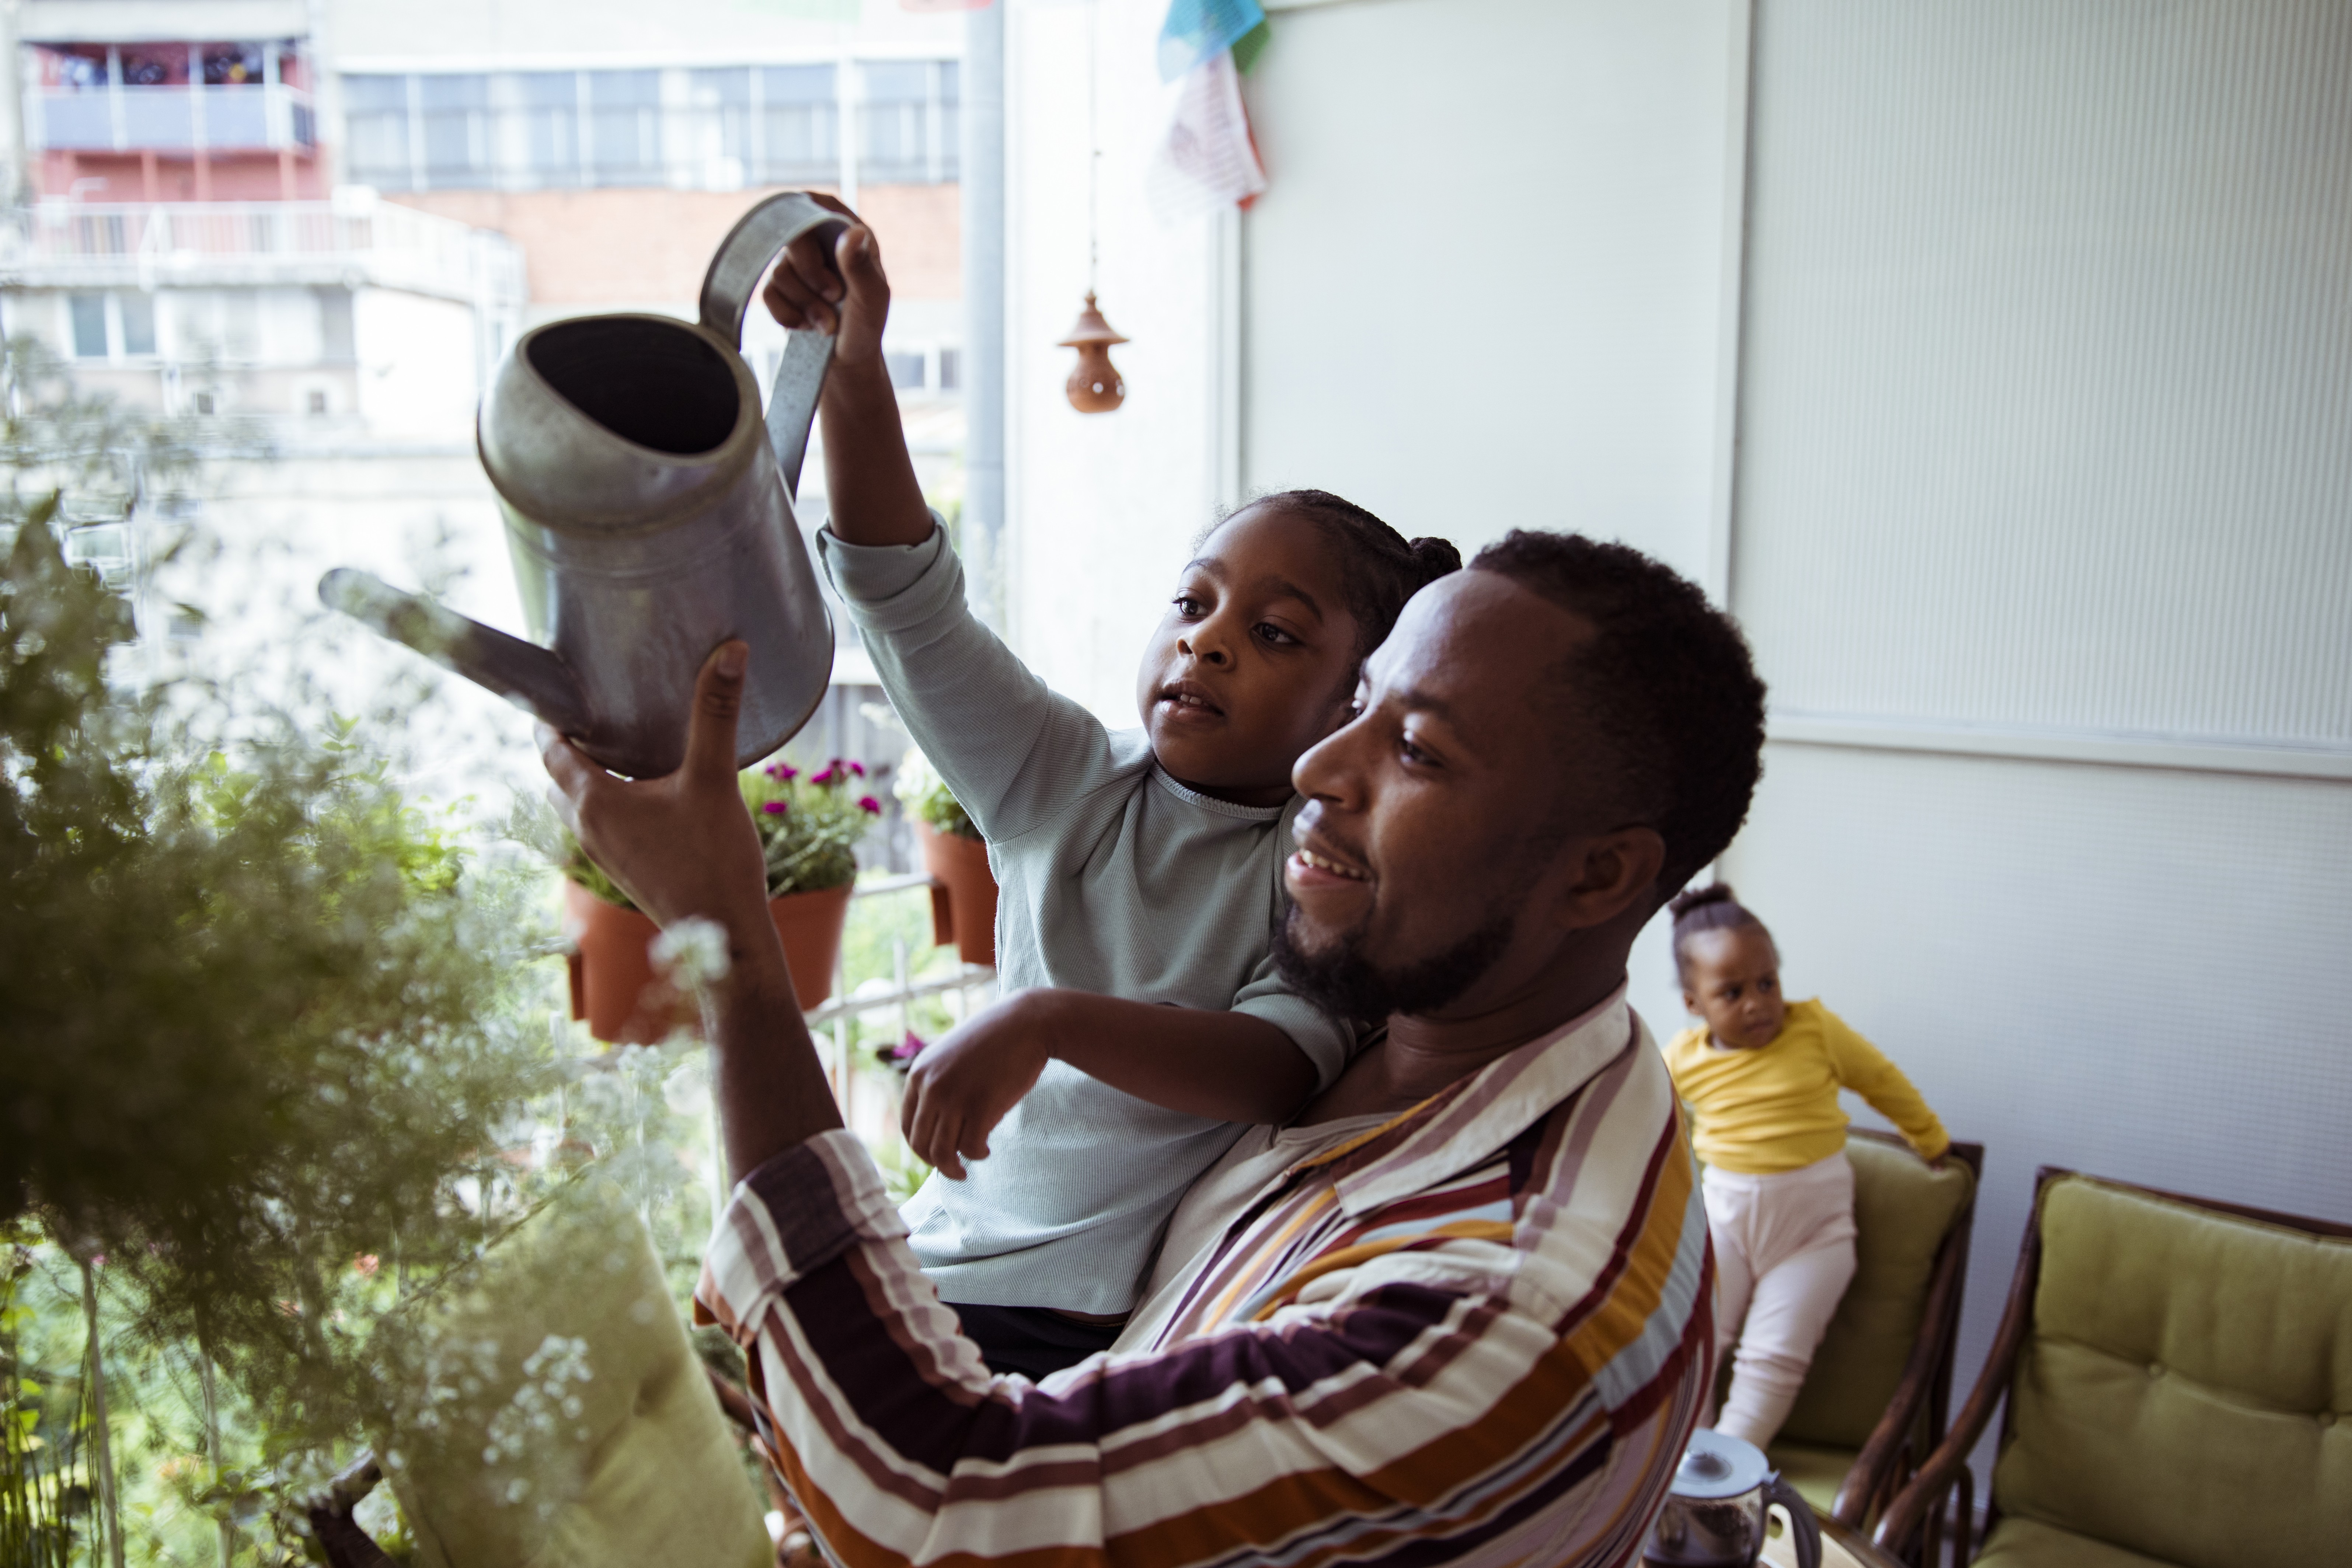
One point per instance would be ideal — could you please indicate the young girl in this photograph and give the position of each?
(1761, 1076)
(1140, 870)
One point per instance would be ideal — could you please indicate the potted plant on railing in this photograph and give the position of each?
(963, 889)
(809, 828)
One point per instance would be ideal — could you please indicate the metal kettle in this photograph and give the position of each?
(1715, 1515)
(650, 517)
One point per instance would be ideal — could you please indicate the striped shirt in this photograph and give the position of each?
(1478, 1334)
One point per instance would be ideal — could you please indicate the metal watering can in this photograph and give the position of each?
(650, 518)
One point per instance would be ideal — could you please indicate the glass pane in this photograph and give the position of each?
(615, 88)
(549, 88)
(362, 93)
(89, 325)
(796, 84)
(896, 81)
(707, 88)
(455, 91)
(379, 150)
(336, 339)
(138, 309)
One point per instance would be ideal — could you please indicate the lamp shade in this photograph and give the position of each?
(1094, 386)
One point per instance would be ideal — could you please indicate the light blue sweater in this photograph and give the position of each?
(1116, 879)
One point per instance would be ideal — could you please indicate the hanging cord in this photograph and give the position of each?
(1094, 144)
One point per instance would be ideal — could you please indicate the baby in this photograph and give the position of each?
(1140, 870)
(1761, 1076)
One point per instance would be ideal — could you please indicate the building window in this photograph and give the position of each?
(720, 128)
(453, 112)
(376, 114)
(951, 370)
(907, 122)
(906, 370)
(137, 311)
(624, 128)
(89, 313)
(315, 402)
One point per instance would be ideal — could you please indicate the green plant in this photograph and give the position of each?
(809, 828)
(271, 1026)
(921, 790)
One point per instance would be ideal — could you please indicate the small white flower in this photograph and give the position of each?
(693, 953)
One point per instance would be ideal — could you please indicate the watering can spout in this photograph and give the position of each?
(524, 674)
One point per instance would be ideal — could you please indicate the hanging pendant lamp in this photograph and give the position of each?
(1094, 386)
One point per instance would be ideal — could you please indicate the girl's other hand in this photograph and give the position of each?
(841, 290)
(962, 1084)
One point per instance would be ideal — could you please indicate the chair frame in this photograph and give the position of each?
(1916, 1507)
(1887, 1461)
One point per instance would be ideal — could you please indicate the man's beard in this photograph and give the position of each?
(1345, 985)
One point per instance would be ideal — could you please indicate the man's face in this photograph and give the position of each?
(1438, 814)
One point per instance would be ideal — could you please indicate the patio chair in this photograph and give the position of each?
(1874, 1402)
(643, 1468)
(2173, 1374)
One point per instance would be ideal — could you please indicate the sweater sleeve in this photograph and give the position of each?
(1014, 751)
(1864, 1068)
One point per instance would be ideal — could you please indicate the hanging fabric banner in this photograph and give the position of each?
(1198, 30)
(1207, 159)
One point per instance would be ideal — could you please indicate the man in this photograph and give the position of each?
(1461, 1314)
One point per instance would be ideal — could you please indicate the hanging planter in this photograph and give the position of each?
(1094, 386)
(963, 889)
(809, 828)
(964, 893)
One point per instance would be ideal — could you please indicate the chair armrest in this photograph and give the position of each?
(1909, 1511)
(1866, 1478)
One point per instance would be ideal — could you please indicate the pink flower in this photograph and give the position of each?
(868, 805)
(857, 768)
(786, 771)
(824, 778)
(774, 807)
(907, 1049)
(366, 1264)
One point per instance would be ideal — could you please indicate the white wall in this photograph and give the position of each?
(1483, 289)
(2045, 447)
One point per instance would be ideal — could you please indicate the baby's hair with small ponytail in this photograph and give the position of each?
(1380, 568)
(1711, 908)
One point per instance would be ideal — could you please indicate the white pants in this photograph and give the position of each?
(1783, 1257)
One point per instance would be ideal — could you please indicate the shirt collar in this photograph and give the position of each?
(1470, 1124)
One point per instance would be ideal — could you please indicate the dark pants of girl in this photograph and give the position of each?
(1031, 1341)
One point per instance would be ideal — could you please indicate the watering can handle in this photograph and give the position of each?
(1802, 1523)
(742, 260)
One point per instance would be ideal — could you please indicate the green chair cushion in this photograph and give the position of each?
(501, 1467)
(2184, 1391)
(1815, 1472)
(2027, 1543)
(1903, 1208)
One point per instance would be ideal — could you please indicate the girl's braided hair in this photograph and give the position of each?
(1380, 568)
(1711, 908)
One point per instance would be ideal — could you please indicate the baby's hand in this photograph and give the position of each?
(961, 1087)
(841, 290)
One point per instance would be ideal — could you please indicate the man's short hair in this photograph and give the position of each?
(1665, 684)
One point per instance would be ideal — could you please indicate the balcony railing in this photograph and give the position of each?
(245, 117)
(189, 244)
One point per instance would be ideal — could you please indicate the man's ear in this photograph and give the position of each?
(1611, 871)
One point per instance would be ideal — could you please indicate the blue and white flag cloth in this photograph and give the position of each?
(1198, 30)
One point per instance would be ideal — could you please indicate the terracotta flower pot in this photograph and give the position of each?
(964, 893)
(811, 925)
(617, 989)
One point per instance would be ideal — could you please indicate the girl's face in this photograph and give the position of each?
(1731, 978)
(1255, 661)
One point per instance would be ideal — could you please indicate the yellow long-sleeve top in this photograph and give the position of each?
(1775, 1108)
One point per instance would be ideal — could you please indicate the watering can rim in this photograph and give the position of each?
(720, 465)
